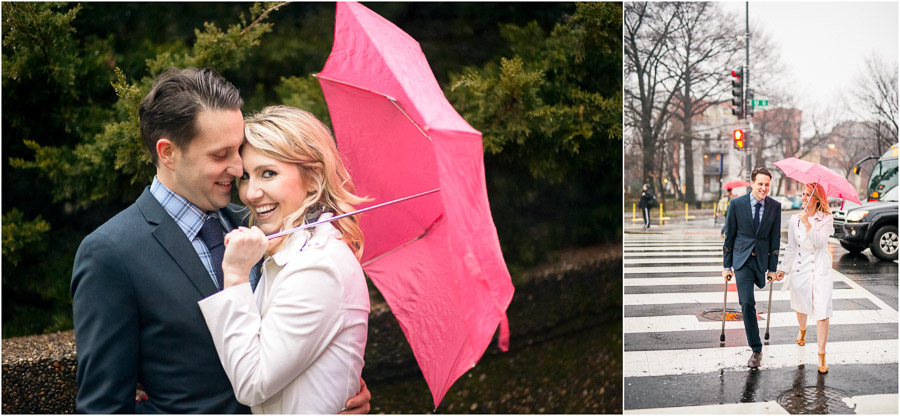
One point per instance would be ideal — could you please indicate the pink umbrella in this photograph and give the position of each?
(737, 183)
(436, 259)
(807, 172)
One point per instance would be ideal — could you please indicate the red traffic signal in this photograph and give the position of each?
(739, 139)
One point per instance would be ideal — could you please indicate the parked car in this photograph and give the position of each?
(796, 202)
(872, 225)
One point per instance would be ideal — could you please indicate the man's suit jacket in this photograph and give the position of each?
(741, 240)
(136, 283)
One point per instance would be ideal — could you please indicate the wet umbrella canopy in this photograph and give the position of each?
(810, 173)
(436, 259)
(737, 183)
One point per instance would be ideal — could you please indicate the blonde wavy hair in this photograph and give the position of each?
(292, 135)
(820, 197)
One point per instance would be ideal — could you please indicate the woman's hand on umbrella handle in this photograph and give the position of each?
(243, 249)
(779, 275)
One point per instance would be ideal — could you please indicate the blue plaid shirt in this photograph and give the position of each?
(190, 218)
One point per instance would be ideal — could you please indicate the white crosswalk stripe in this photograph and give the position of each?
(670, 278)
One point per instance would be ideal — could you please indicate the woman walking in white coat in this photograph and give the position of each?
(808, 263)
(296, 344)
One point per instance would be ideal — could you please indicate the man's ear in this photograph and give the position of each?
(167, 152)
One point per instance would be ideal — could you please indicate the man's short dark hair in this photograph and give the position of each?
(758, 171)
(171, 107)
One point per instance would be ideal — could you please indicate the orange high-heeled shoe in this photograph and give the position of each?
(801, 339)
(822, 367)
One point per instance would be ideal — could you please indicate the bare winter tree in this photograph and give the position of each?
(777, 134)
(875, 101)
(649, 85)
(704, 43)
(847, 146)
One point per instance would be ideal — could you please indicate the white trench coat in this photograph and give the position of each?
(808, 263)
(295, 345)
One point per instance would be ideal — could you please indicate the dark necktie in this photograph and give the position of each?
(212, 235)
(756, 216)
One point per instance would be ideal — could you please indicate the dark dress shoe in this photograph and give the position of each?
(755, 360)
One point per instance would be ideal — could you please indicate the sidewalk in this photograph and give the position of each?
(699, 221)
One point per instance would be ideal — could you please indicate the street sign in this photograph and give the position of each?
(759, 103)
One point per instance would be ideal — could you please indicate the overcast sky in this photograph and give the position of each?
(823, 45)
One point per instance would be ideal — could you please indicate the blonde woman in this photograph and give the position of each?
(296, 344)
(807, 260)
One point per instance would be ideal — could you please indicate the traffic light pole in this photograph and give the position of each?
(747, 77)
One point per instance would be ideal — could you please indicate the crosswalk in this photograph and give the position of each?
(674, 362)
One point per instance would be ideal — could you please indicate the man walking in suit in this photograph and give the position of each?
(752, 239)
(137, 279)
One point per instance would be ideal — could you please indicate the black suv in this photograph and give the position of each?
(873, 225)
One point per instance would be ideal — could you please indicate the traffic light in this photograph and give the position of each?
(739, 139)
(748, 113)
(737, 93)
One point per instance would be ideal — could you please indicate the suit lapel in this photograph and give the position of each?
(173, 240)
(749, 217)
(769, 212)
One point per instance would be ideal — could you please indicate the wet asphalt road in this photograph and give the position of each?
(876, 275)
(724, 386)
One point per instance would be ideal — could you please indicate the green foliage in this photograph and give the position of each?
(305, 93)
(19, 234)
(73, 76)
(550, 103)
(107, 164)
(42, 301)
(89, 152)
(40, 36)
(46, 66)
(550, 115)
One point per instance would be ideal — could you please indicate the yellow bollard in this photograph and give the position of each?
(685, 212)
(633, 213)
(715, 212)
(661, 214)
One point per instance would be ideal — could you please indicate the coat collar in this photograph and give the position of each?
(298, 240)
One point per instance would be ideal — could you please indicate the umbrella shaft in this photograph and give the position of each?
(359, 211)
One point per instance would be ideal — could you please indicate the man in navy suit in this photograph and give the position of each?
(752, 239)
(137, 279)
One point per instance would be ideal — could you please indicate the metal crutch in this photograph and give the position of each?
(725, 302)
(769, 311)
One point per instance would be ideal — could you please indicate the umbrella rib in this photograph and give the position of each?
(420, 236)
(448, 383)
(320, 76)
(391, 99)
(396, 104)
